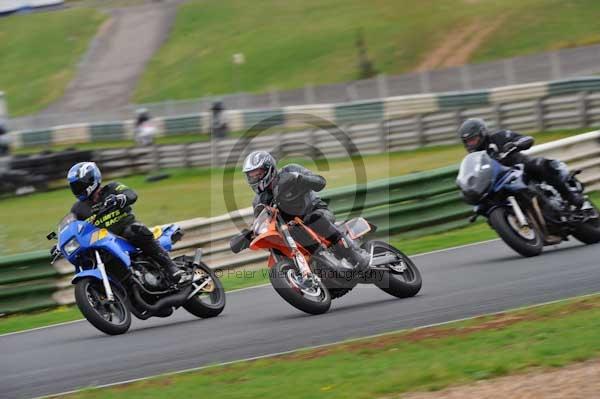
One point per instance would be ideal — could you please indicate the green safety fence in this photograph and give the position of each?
(422, 202)
(27, 282)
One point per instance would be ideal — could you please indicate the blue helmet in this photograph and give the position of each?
(84, 179)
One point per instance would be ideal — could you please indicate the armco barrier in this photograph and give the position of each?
(422, 202)
(532, 106)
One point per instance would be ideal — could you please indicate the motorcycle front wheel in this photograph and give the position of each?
(526, 240)
(112, 318)
(308, 295)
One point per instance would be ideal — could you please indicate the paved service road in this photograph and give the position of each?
(458, 283)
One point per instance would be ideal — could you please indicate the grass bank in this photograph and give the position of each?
(321, 47)
(432, 358)
(39, 53)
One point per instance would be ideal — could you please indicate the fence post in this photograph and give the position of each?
(498, 116)
(425, 82)
(155, 158)
(309, 94)
(457, 119)
(351, 92)
(186, 156)
(214, 153)
(582, 105)
(555, 64)
(274, 98)
(3, 109)
(420, 130)
(383, 142)
(539, 114)
(465, 77)
(382, 85)
(509, 71)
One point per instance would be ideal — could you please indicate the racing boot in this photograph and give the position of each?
(176, 275)
(347, 249)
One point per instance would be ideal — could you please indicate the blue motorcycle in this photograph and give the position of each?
(526, 214)
(114, 279)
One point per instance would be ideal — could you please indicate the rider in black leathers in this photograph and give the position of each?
(294, 187)
(476, 137)
(117, 199)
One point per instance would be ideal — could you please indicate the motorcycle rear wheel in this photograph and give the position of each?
(286, 280)
(210, 302)
(401, 282)
(589, 232)
(110, 318)
(527, 243)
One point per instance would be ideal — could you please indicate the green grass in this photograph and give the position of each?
(27, 220)
(39, 53)
(289, 44)
(419, 360)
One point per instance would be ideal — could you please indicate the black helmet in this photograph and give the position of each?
(473, 133)
(260, 168)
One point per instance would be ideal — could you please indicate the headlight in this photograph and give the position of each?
(261, 229)
(71, 246)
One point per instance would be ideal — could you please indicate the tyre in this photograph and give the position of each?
(308, 295)
(402, 279)
(210, 301)
(338, 292)
(110, 318)
(589, 232)
(525, 241)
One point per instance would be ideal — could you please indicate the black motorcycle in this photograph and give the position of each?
(526, 214)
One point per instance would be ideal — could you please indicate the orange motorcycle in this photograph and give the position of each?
(305, 272)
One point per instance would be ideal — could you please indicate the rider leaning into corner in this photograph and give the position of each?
(476, 136)
(116, 199)
(295, 189)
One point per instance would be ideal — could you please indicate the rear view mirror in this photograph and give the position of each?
(51, 236)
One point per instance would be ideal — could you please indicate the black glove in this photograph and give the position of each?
(54, 251)
(240, 241)
(115, 201)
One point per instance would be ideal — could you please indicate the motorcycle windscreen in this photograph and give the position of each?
(475, 176)
(65, 221)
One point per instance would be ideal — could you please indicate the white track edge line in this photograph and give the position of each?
(256, 286)
(308, 348)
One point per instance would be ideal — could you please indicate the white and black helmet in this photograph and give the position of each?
(260, 169)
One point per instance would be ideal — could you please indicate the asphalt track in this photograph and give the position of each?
(458, 283)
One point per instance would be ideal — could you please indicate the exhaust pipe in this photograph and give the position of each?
(172, 300)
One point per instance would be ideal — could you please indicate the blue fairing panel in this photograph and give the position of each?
(87, 273)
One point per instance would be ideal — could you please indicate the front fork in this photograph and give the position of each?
(518, 211)
(298, 256)
(105, 282)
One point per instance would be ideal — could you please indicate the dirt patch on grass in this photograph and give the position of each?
(495, 322)
(579, 381)
(460, 44)
(484, 323)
